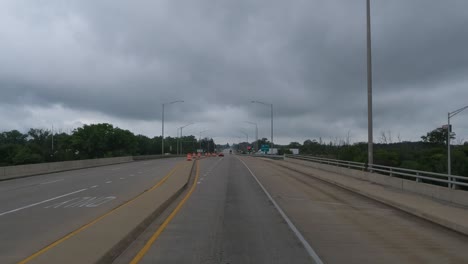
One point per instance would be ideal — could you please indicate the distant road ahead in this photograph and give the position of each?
(38, 210)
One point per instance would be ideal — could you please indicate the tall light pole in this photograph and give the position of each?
(256, 133)
(449, 131)
(271, 110)
(370, 154)
(246, 135)
(162, 137)
(181, 143)
(52, 140)
(199, 139)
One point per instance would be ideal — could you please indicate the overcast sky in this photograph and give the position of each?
(68, 63)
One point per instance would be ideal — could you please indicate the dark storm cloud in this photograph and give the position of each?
(124, 59)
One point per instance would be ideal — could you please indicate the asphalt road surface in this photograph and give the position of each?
(36, 211)
(228, 219)
(344, 227)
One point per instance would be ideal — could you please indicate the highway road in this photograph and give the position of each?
(344, 227)
(241, 210)
(230, 219)
(38, 210)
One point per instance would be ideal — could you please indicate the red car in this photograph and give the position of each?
(221, 154)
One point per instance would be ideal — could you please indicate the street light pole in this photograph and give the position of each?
(256, 133)
(449, 131)
(181, 142)
(370, 158)
(178, 139)
(52, 140)
(246, 135)
(271, 111)
(162, 134)
(199, 139)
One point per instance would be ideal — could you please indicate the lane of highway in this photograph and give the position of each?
(228, 219)
(344, 227)
(36, 211)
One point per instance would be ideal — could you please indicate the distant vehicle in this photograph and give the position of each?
(230, 151)
(221, 154)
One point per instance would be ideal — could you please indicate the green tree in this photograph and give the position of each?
(92, 141)
(437, 136)
(24, 155)
(13, 137)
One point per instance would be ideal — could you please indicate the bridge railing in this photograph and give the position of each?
(451, 181)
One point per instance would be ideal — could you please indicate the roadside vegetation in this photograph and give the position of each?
(429, 154)
(87, 142)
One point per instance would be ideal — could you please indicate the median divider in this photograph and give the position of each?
(451, 216)
(22, 171)
(105, 239)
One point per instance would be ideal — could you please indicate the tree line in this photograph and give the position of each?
(428, 154)
(88, 142)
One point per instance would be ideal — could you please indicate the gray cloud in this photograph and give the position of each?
(120, 60)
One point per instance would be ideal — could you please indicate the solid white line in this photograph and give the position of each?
(45, 201)
(52, 181)
(301, 238)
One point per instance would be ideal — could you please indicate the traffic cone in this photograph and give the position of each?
(189, 157)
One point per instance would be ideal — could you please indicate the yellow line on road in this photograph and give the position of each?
(73, 233)
(166, 222)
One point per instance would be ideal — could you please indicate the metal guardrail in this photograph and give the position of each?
(451, 181)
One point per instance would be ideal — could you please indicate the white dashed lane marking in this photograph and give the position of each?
(108, 181)
(51, 181)
(94, 186)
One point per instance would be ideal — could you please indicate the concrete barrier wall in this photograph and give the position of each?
(149, 157)
(11, 172)
(433, 191)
